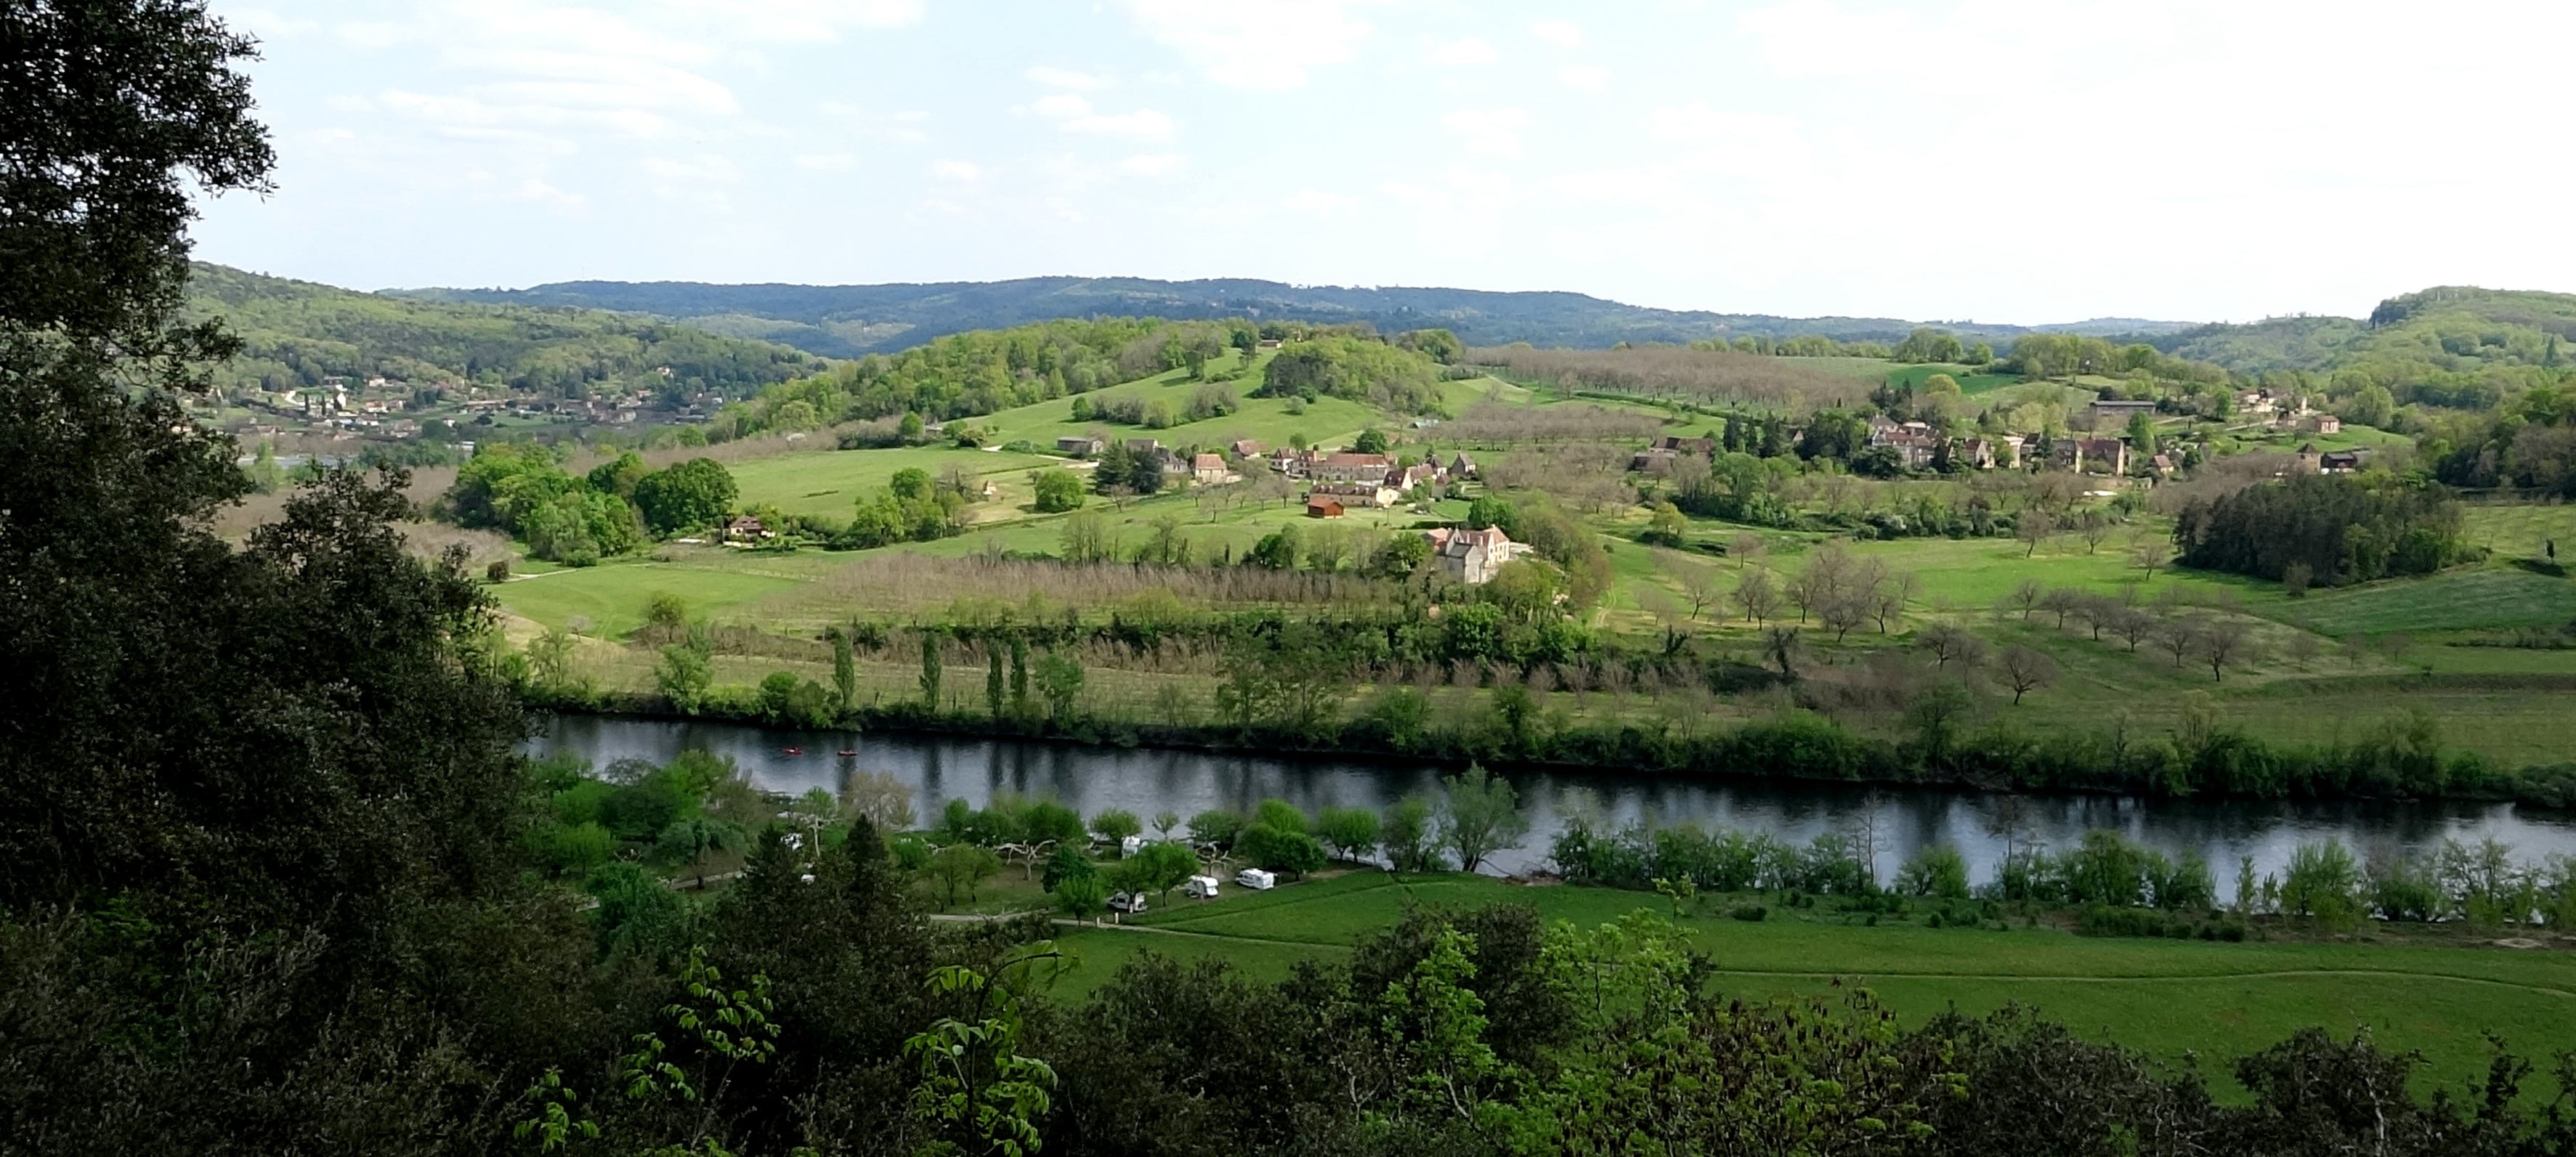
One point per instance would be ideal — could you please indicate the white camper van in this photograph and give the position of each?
(1256, 879)
(1201, 887)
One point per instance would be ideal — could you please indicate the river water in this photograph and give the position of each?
(1145, 781)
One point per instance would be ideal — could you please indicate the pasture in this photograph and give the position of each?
(827, 483)
(2178, 1000)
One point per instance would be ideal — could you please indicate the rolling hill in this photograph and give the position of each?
(2446, 331)
(847, 320)
(297, 333)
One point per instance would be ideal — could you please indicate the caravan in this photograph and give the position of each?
(1256, 879)
(1200, 887)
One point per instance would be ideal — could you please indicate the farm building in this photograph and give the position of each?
(1473, 557)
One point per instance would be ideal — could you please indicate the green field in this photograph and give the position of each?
(2170, 998)
(1324, 421)
(611, 596)
(2452, 601)
(2523, 530)
(1971, 382)
(829, 482)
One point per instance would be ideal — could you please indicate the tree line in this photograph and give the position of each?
(296, 334)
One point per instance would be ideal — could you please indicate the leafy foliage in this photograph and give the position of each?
(2343, 529)
(1357, 368)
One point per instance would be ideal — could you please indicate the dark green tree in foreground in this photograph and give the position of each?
(242, 791)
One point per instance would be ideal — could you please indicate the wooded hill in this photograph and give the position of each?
(846, 320)
(2455, 334)
(296, 333)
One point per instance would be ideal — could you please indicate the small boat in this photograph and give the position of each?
(849, 753)
(793, 750)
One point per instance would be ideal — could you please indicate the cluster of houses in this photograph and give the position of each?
(1202, 469)
(1339, 480)
(1917, 444)
(2287, 411)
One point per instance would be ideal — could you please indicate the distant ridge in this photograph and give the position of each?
(849, 320)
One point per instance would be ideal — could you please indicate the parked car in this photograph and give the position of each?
(1256, 879)
(1127, 902)
(1201, 887)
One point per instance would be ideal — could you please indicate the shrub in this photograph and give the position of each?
(1750, 913)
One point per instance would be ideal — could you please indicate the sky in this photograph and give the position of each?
(1988, 160)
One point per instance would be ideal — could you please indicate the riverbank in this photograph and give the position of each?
(1800, 746)
(981, 768)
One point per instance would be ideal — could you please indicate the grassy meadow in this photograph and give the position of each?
(2180, 1000)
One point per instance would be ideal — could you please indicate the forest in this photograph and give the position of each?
(844, 321)
(295, 334)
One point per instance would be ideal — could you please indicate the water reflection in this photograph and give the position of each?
(1149, 781)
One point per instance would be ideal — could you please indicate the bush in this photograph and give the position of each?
(2105, 920)
(1750, 913)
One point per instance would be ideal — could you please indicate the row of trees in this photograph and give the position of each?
(1210, 400)
(1476, 815)
(2482, 884)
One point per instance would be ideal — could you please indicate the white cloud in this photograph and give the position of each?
(466, 116)
(1561, 33)
(707, 168)
(1265, 45)
(801, 20)
(1075, 115)
(1628, 186)
(1066, 78)
(1319, 203)
(1142, 124)
(268, 24)
(1755, 135)
(1466, 204)
(1588, 77)
(568, 204)
(1492, 132)
(827, 162)
(964, 172)
(1472, 51)
(890, 126)
(1061, 104)
(1154, 164)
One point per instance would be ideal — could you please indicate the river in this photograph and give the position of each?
(1146, 781)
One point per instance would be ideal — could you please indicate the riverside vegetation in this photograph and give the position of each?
(275, 878)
